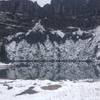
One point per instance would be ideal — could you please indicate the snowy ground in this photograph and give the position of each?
(48, 90)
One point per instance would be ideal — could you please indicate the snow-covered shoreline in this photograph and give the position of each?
(32, 90)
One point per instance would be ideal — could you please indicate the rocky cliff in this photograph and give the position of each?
(57, 41)
(54, 54)
(57, 14)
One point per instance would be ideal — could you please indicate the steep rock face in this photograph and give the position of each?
(58, 14)
(59, 55)
(26, 7)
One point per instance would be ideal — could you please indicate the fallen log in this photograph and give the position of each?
(4, 66)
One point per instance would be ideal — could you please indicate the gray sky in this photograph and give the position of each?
(42, 2)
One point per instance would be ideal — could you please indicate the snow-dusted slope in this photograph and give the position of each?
(48, 90)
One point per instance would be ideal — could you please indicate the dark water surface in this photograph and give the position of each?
(53, 69)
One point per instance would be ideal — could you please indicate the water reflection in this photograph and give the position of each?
(53, 70)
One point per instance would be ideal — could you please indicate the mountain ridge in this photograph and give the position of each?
(59, 14)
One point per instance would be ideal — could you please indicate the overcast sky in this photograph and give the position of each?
(42, 2)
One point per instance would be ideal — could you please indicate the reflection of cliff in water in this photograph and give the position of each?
(70, 59)
(53, 70)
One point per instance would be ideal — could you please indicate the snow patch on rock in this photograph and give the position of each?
(98, 54)
(59, 33)
(18, 34)
(38, 27)
(80, 32)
